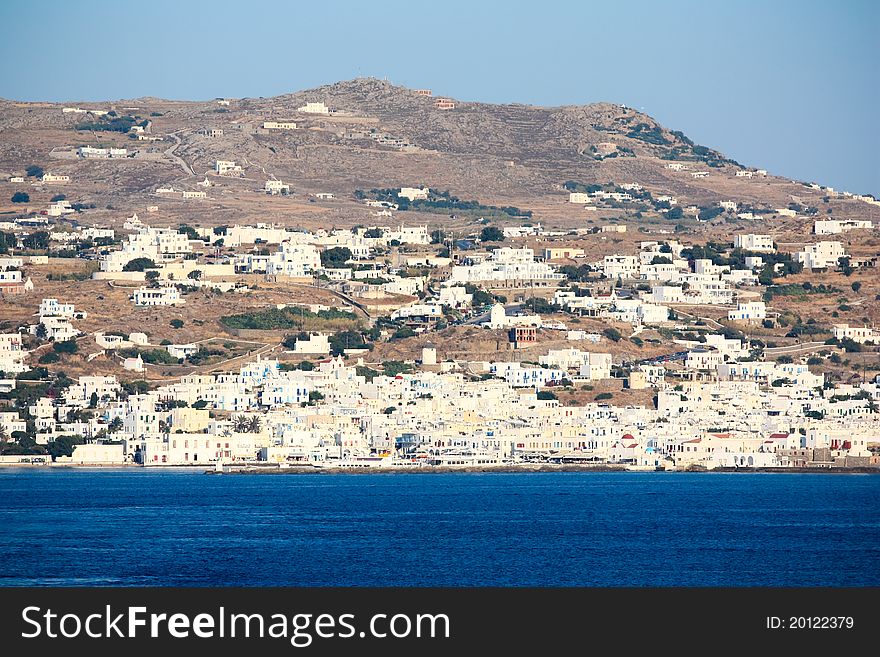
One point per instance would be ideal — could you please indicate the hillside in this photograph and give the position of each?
(377, 136)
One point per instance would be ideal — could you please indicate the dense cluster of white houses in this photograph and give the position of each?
(725, 407)
(749, 414)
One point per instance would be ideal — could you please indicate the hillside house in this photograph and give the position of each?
(90, 152)
(507, 267)
(12, 283)
(227, 168)
(314, 343)
(181, 351)
(314, 108)
(620, 266)
(274, 187)
(860, 334)
(752, 242)
(822, 255)
(838, 226)
(499, 319)
(160, 296)
(561, 252)
(279, 125)
(295, 260)
(414, 193)
(54, 178)
(752, 311)
(12, 354)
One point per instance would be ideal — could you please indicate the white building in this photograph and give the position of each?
(181, 350)
(620, 266)
(408, 234)
(422, 312)
(589, 365)
(315, 343)
(58, 209)
(579, 197)
(295, 260)
(226, 167)
(276, 187)
(89, 152)
(508, 265)
(160, 296)
(156, 244)
(822, 255)
(455, 296)
(12, 354)
(749, 311)
(752, 242)
(860, 334)
(577, 336)
(279, 125)
(414, 193)
(54, 178)
(51, 308)
(519, 376)
(499, 319)
(135, 364)
(838, 226)
(57, 328)
(314, 108)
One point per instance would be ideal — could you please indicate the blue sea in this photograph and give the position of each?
(185, 528)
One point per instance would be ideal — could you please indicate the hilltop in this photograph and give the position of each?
(378, 135)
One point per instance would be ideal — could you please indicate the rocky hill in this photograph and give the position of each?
(378, 135)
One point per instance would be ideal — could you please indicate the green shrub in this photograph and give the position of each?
(66, 347)
(139, 264)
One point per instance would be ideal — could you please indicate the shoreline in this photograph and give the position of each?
(543, 468)
(505, 469)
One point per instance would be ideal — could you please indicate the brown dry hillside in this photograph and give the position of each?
(508, 155)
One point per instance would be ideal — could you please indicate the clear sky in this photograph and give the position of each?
(787, 85)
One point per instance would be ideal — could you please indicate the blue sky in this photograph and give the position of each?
(790, 86)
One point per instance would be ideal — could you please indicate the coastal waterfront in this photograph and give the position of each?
(180, 527)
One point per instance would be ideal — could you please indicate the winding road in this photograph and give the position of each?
(170, 153)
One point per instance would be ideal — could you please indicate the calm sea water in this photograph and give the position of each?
(149, 528)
